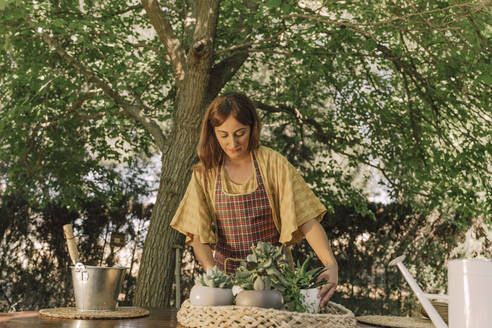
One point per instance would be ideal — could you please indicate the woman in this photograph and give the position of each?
(241, 193)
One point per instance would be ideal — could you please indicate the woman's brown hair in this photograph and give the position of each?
(242, 108)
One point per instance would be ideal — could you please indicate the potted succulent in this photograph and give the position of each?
(299, 287)
(212, 287)
(258, 274)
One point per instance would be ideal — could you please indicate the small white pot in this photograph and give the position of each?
(209, 296)
(310, 299)
(260, 298)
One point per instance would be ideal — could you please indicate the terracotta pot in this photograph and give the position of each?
(260, 298)
(310, 299)
(203, 295)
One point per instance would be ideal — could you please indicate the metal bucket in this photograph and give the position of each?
(96, 288)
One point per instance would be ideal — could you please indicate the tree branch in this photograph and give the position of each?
(124, 11)
(321, 136)
(480, 5)
(86, 96)
(150, 125)
(429, 23)
(79, 14)
(222, 72)
(252, 43)
(475, 27)
(205, 27)
(189, 22)
(414, 126)
(168, 38)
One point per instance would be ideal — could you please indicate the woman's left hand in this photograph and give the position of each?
(331, 276)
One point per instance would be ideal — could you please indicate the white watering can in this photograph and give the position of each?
(470, 293)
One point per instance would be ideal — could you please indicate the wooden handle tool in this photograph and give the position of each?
(72, 246)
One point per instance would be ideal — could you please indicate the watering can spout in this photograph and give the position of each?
(431, 311)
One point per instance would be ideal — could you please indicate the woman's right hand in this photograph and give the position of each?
(330, 275)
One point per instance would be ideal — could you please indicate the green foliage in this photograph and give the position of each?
(262, 268)
(56, 129)
(396, 94)
(34, 261)
(402, 90)
(371, 85)
(214, 278)
(302, 277)
(363, 248)
(296, 279)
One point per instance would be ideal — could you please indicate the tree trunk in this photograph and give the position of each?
(155, 277)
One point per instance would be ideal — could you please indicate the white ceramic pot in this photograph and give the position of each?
(260, 298)
(209, 296)
(310, 299)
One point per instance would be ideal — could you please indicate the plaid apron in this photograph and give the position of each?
(242, 221)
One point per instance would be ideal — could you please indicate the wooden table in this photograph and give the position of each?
(162, 318)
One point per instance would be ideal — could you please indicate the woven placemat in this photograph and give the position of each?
(233, 316)
(72, 313)
(396, 322)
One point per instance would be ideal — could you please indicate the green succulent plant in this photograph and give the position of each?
(302, 277)
(215, 278)
(261, 270)
(295, 280)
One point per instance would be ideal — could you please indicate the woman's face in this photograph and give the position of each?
(233, 138)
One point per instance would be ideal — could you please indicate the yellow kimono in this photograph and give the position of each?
(293, 202)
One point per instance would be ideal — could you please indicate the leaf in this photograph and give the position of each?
(305, 264)
(369, 44)
(268, 283)
(251, 265)
(486, 78)
(268, 263)
(242, 274)
(259, 284)
(273, 3)
(252, 258)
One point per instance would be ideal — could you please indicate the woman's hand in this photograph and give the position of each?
(331, 276)
(203, 253)
(316, 237)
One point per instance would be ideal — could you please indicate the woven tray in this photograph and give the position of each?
(396, 322)
(72, 313)
(234, 316)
